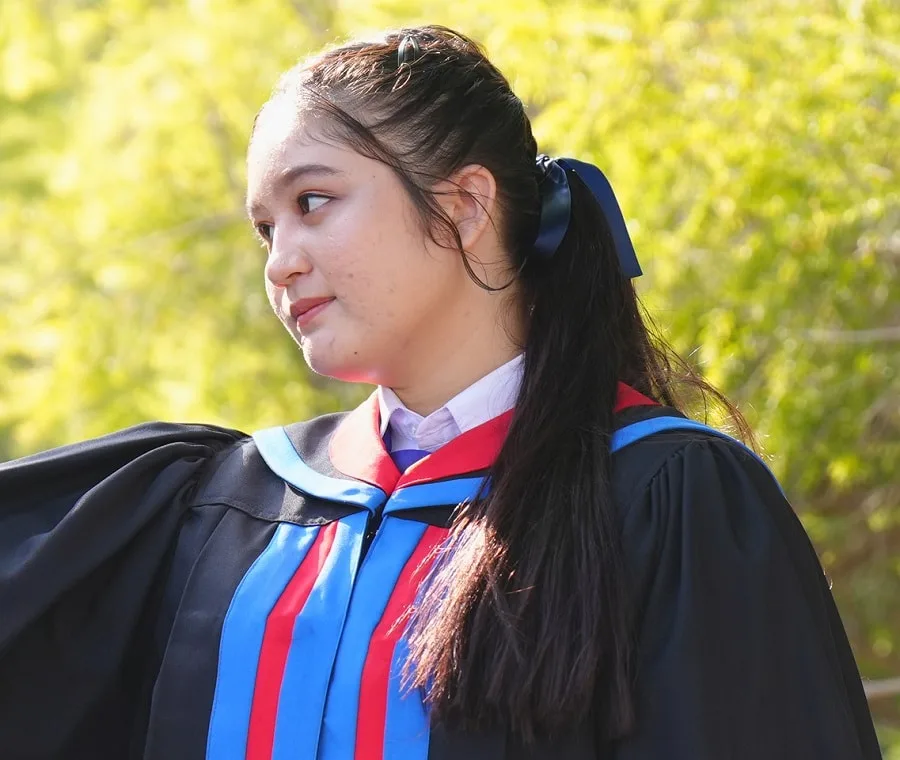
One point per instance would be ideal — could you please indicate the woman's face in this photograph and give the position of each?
(350, 272)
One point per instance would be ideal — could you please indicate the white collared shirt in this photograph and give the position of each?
(492, 395)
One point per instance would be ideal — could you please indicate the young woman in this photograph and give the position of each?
(516, 548)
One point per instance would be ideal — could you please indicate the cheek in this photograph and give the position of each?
(358, 270)
(380, 243)
(376, 261)
(272, 294)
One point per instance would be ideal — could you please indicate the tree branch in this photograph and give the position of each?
(887, 687)
(874, 335)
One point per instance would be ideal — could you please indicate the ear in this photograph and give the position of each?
(469, 197)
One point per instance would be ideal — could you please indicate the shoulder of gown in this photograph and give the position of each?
(740, 650)
(84, 531)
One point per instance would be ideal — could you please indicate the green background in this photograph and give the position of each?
(753, 145)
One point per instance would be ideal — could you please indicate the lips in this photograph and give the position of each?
(306, 311)
(299, 308)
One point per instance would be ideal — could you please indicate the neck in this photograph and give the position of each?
(454, 358)
(425, 400)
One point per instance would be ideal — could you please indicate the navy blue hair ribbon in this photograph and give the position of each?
(556, 209)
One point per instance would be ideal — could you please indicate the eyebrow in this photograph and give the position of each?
(289, 175)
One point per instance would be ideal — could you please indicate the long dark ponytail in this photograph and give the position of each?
(524, 622)
(527, 617)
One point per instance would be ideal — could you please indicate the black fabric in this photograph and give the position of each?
(210, 568)
(452, 745)
(109, 620)
(740, 652)
(84, 530)
(307, 436)
(241, 479)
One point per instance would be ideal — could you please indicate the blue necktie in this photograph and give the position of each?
(406, 458)
(403, 458)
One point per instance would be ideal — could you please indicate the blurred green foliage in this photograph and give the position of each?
(754, 147)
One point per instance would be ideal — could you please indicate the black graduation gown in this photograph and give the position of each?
(153, 581)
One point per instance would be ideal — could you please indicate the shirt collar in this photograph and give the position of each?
(486, 398)
(357, 448)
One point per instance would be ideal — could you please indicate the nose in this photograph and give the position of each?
(286, 258)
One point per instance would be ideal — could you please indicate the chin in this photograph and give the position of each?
(330, 363)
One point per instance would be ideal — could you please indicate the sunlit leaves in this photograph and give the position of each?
(753, 147)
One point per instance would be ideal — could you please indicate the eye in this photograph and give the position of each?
(265, 231)
(309, 202)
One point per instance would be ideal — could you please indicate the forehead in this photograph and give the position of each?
(285, 136)
(278, 124)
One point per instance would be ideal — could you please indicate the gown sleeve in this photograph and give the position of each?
(741, 654)
(84, 531)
